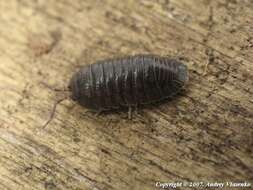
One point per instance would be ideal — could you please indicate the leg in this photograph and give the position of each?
(130, 112)
(98, 113)
(136, 109)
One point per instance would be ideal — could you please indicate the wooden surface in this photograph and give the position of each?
(205, 135)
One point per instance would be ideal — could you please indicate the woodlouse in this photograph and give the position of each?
(127, 82)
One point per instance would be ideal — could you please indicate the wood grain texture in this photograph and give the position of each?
(205, 134)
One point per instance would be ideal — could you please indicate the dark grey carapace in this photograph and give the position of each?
(127, 81)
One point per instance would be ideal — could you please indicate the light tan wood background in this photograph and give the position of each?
(204, 135)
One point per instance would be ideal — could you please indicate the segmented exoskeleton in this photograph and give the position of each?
(127, 81)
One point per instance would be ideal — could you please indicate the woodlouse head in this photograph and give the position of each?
(73, 88)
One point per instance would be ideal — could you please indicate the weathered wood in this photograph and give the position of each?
(204, 135)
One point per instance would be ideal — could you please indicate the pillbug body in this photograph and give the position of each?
(127, 81)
